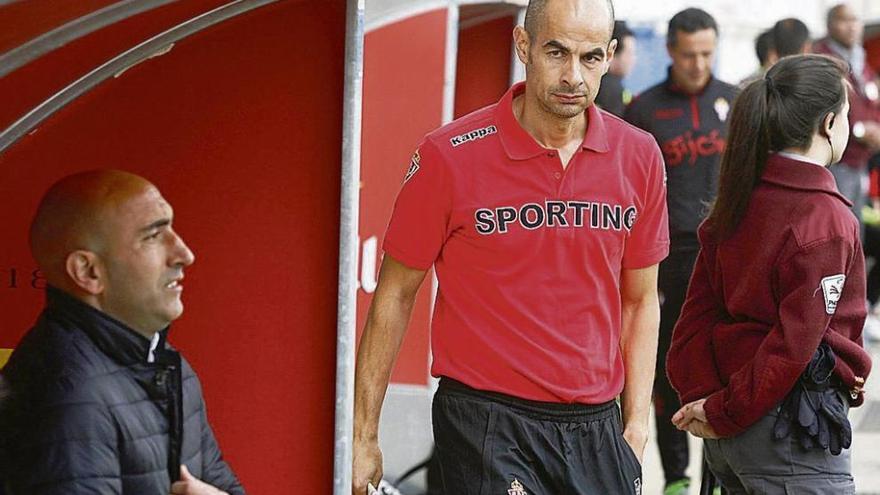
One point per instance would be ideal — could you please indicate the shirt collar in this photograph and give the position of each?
(799, 157)
(799, 174)
(520, 145)
(154, 342)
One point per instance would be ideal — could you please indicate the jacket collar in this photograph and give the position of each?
(112, 337)
(520, 145)
(796, 174)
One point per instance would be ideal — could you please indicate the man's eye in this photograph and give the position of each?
(555, 53)
(154, 235)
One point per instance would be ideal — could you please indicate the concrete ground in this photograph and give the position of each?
(865, 449)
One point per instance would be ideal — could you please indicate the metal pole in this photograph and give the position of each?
(348, 246)
(451, 62)
(73, 30)
(156, 45)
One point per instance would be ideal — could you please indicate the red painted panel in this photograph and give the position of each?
(240, 127)
(403, 101)
(40, 79)
(873, 48)
(483, 71)
(25, 20)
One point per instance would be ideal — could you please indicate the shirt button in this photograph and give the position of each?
(557, 175)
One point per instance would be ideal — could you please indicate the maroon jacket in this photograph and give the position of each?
(862, 108)
(760, 302)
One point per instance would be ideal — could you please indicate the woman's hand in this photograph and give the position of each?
(692, 418)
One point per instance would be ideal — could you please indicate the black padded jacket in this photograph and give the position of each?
(85, 413)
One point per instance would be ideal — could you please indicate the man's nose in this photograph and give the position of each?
(182, 255)
(572, 76)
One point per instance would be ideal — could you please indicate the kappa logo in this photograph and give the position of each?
(473, 135)
(413, 167)
(516, 488)
(832, 289)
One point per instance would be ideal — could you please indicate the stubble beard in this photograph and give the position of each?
(562, 111)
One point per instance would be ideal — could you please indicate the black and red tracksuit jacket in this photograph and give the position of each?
(691, 130)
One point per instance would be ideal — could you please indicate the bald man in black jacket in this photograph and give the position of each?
(97, 400)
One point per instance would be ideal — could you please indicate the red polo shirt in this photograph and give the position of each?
(759, 303)
(528, 255)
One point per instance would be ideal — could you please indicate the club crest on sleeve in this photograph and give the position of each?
(722, 107)
(832, 288)
(516, 488)
(413, 167)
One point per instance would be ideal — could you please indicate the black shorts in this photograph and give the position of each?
(494, 444)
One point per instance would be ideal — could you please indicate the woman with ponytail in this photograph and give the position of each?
(767, 355)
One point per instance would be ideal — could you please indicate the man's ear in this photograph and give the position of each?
(612, 47)
(83, 268)
(522, 43)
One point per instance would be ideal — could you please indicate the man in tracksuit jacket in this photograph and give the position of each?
(687, 115)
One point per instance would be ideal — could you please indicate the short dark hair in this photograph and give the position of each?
(535, 12)
(789, 36)
(689, 21)
(621, 31)
(763, 44)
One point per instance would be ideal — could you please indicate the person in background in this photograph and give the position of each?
(845, 31)
(791, 37)
(767, 355)
(687, 115)
(613, 97)
(766, 54)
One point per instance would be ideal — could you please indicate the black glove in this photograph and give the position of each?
(834, 413)
(814, 410)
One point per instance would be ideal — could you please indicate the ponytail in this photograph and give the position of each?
(782, 110)
(744, 158)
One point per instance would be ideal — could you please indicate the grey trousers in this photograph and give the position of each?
(756, 463)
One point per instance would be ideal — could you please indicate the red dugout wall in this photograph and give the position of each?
(240, 126)
(484, 57)
(403, 100)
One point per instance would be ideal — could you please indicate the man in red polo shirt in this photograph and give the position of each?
(545, 219)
